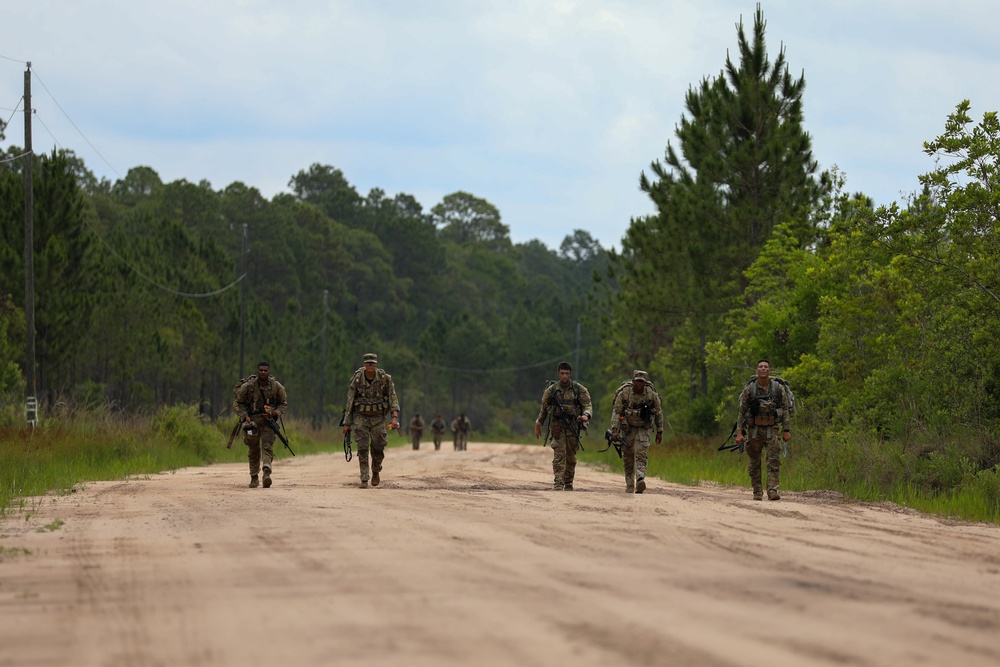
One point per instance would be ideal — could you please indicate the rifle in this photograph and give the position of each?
(348, 454)
(736, 446)
(277, 431)
(572, 422)
(617, 443)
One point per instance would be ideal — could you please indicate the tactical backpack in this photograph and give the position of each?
(788, 391)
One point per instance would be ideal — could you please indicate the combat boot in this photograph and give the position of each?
(375, 478)
(640, 485)
(267, 478)
(758, 494)
(629, 488)
(364, 484)
(568, 487)
(772, 494)
(253, 482)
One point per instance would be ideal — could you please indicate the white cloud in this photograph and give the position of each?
(549, 109)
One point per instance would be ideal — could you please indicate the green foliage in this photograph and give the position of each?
(742, 168)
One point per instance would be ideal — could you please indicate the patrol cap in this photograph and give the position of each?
(370, 357)
(640, 375)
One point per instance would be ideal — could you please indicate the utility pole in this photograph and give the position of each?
(322, 376)
(243, 304)
(31, 398)
(576, 359)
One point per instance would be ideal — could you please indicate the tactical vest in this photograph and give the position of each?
(371, 399)
(565, 401)
(249, 393)
(766, 409)
(638, 410)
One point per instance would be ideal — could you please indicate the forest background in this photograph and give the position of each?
(883, 319)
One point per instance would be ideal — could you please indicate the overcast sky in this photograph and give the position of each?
(549, 109)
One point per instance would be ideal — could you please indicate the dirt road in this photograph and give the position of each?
(466, 558)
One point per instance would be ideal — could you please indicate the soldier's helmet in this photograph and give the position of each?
(370, 357)
(640, 376)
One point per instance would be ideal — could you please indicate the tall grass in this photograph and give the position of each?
(939, 481)
(104, 445)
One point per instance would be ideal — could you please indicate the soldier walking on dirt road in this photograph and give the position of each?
(371, 397)
(567, 408)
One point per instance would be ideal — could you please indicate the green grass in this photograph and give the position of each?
(58, 455)
(865, 471)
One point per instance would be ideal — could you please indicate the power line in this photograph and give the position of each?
(14, 60)
(153, 282)
(14, 157)
(14, 110)
(39, 119)
(35, 73)
(494, 370)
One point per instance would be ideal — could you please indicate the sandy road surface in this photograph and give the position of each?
(466, 558)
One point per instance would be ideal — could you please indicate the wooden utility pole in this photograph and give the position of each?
(31, 395)
(243, 304)
(322, 375)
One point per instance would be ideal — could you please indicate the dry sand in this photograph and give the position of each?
(467, 558)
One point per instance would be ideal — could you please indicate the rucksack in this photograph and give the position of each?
(788, 391)
(628, 383)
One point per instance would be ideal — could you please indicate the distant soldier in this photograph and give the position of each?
(763, 414)
(437, 430)
(416, 430)
(371, 397)
(461, 426)
(636, 411)
(254, 401)
(567, 408)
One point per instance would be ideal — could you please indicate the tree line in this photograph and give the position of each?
(132, 309)
(884, 319)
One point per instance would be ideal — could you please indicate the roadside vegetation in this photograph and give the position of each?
(885, 319)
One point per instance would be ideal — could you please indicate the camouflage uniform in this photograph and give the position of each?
(635, 415)
(250, 399)
(416, 430)
(437, 430)
(369, 403)
(763, 416)
(571, 402)
(460, 428)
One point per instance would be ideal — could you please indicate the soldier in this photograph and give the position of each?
(566, 405)
(437, 430)
(371, 397)
(461, 426)
(254, 401)
(636, 411)
(763, 413)
(416, 430)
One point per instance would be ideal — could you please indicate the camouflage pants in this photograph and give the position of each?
(461, 441)
(370, 433)
(261, 442)
(769, 438)
(563, 459)
(635, 454)
(415, 440)
(437, 441)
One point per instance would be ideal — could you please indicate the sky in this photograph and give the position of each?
(549, 109)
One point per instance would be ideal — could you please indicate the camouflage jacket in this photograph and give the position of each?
(438, 426)
(760, 407)
(250, 398)
(637, 410)
(461, 425)
(371, 398)
(573, 399)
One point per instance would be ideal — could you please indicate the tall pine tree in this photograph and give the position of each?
(743, 163)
